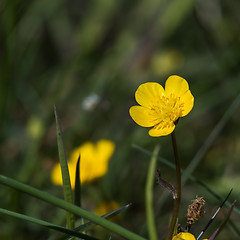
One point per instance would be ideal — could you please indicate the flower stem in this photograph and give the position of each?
(177, 200)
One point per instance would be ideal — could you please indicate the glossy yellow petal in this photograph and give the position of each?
(162, 129)
(184, 236)
(188, 101)
(148, 93)
(176, 86)
(162, 108)
(143, 116)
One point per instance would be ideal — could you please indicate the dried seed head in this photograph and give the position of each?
(195, 211)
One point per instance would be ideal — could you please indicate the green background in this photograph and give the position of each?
(63, 52)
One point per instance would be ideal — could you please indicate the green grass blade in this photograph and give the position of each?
(149, 195)
(46, 224)
(77, 191)
(64, 168)
(186, 173)
(89, 225)
(70, 207)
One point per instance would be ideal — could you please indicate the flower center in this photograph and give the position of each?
(168, 110)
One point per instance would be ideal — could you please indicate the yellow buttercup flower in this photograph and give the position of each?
(93, 163)
(161, 108)
(184, 236)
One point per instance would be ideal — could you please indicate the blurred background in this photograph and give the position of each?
(88, 58)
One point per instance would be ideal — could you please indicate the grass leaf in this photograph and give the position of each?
(47, 224)
(89, 225)
(77, 192)
(149, 195)
(69, 207)
(64, 169)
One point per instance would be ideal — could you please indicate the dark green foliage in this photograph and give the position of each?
(61, 52)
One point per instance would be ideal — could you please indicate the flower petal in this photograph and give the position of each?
(94, 159)
(188, 101)
(147, 93)
(105, 149)
(143, 116)
(184, 236)
(176, 85)
(161, 130)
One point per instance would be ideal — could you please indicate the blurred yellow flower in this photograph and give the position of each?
(106, 207)
(185, 236)
(93, 163)
(161, 108)
(166, 62)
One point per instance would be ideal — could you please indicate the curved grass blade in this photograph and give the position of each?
(64, 169)
(149, 195)
(223, 224)
(47, 224)
(186, 173)
(89, 225)
(70, 207)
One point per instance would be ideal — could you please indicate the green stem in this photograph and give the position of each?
(70, 207)
(149, 195)
(178, 188)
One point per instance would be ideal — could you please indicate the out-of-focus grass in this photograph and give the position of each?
(61, 52)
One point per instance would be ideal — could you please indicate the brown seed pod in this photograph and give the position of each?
(195, 211)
